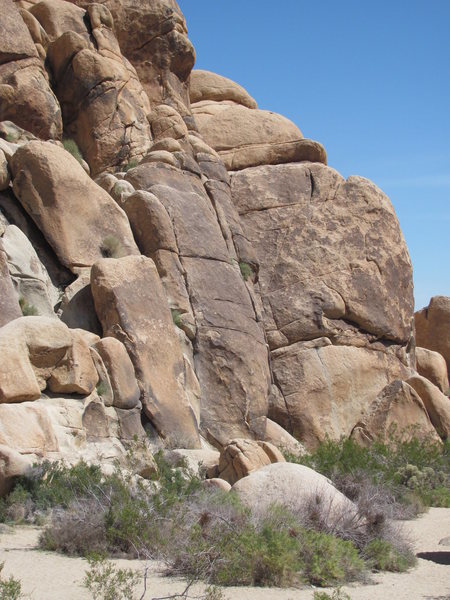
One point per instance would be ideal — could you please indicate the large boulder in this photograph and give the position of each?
(397, 411)
(436, 403)
(25, 94)
(153, 36)
(40, 352)
(332, 255)
(131, 306)
(326, 388)
(239, 458)
(433, 327)
(103, 103)
(204, 85)
(296, 487)
(432, 365)
(230, 350)
(247, 138)
(78, 218)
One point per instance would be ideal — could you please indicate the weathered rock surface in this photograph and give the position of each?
(327, 388)
(397, 411)
(38, 352)
(231, 354)
(432, 365)
(436, 403)
(153, 36)
(204, 85)
(296, 487)
(103, 104)
(53, 188)
(334, 261)
(25, 95)
(247, 138)
(131, 305)
(9, 300)
(241, 457)
(29, 275)
(121, 372)
(433, 327)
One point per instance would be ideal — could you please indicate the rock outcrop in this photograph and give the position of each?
(433, 327)
(432, 365)
(200, 276)
(25, 94)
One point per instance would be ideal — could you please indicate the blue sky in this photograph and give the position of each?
(369, 80)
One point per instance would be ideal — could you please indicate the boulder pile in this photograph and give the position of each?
(182, 268)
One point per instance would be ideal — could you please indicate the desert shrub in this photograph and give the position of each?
(28, 310)
(176, 317)
(101, 388)
(337, 594)
(131, 165)
(112, 247)
(246, 270)
(72, 147)
(382, 555)
(105, 581)
(380, 471)
(11, 588)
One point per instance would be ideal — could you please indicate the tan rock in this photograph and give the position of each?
(166, 122)
(296, 487)
(12, 464)
(104, 106)
(131, 305)
(396, 411)
(37, 437)
(204, 85)
(53, 187)
(436, 403)
(217, 484)
(30, 277)
(76, 372)
(433, 327)
(327, 388)
(432, 365)
(130, 424)
(25, 95)
(247, 138)
(241, 457)
(9, 300)
(332, 255)
(281, 439)
(152, 35)
(121, 372)
(95, 420)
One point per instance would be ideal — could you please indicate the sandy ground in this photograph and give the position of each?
(49, 576)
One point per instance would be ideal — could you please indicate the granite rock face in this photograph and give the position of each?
(201, 277)
(433, 327)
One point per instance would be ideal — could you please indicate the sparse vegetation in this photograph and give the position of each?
(199, 533)
(72, 147)
(105, 581)
(11, 588)
(246, 270)
(176, 317)
(101, 388)
(131, 165)
(28, 310)
(112, 247)
(398, 479)
(337, 594)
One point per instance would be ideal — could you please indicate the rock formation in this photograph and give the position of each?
(198, 276)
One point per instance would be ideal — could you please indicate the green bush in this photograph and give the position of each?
(246, 270)
(28, 310)
(391, 467)
(105, 581)
(11, 588)
(112, 247)
(337, 594)
(381, 555)
(72, 147)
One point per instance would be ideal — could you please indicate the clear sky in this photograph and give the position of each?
(369, 79)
